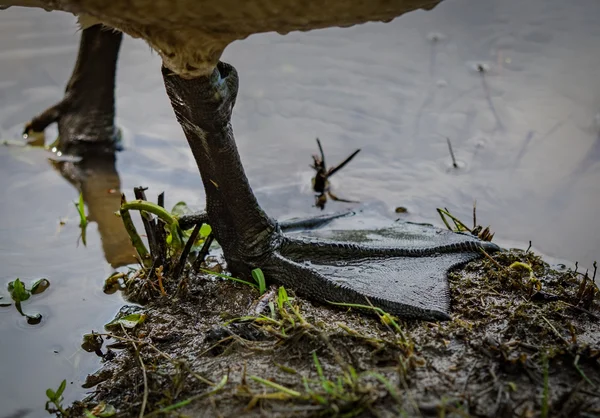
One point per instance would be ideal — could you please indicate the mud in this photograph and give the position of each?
(520, 343)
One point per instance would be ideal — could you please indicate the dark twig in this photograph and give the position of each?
(186, 250)
(489, 257)
(454, 164)
(321, 151)
(343, 163)
(528, 248)
(320, 181)
(581, 310)
(161, 200)
(149, 222)
(161, 237)
(595, 270)
(203, 252)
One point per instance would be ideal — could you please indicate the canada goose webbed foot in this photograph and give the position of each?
(85, 115)
(402, 270)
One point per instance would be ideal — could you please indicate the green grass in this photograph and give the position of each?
(83, 220)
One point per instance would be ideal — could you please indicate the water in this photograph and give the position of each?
(526, 133)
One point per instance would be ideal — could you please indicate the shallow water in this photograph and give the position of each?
(526, 133)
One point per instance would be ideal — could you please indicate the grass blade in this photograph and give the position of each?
(259, 278)
(276, 386)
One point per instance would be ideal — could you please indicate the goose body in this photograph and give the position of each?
(190, 35)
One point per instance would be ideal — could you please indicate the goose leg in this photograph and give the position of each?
(402, 270)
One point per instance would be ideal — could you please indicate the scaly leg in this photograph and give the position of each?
(403, 271)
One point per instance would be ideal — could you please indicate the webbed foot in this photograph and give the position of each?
(401, 268)
(401, 271)
(85, 115)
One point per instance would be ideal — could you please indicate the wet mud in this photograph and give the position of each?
(524, 340)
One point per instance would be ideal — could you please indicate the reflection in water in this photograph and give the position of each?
(39, 230)
(482, 69)
(96, 177)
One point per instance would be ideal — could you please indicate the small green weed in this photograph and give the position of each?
(102, 410)
(485, 234)
(348, 394)
(259, 278)
(257, 275)
(55, 398)
(385, 317)
(128, 321)
(19, 293)
(83, 220)
(170, 245)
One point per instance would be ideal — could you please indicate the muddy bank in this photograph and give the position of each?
(521, 343)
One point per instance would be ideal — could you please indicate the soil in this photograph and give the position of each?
(521, 343)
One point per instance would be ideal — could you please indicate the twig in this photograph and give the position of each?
(565, 342)
(454, 164)
(215, 345)
(528, 248)
(203, 252)
(148, 221)
(161, 236)
(321, 151)
(592, 394)
(489, 257)
(343, 163)
(186, 250)
(581, 310)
